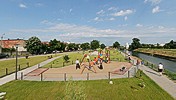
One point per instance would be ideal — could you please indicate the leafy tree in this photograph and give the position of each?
(54, 45)
(102, 46)
(66, 58)
(94, 44)
(170, 45)
(71, 46)
(85, 46)
(33, 45)
(63, 45)
(116, 44)
(135, 44)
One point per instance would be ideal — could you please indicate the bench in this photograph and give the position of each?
(2, 95)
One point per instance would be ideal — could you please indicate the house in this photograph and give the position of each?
(11, 43)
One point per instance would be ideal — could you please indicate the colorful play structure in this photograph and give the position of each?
(102, 57)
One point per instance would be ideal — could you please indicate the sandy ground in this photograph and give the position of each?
(53, 74)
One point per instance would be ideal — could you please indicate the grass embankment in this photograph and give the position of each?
(121, 89)
(161, 52)
(114, 56)
(10, 64)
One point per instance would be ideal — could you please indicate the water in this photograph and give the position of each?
(169, 65)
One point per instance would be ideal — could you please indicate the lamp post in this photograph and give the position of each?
(1, 43)
(16, 61)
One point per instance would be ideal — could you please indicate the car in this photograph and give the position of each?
(3, 55)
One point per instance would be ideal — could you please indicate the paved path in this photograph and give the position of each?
(162, 81)
(11, 77)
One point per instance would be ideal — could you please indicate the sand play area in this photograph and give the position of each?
(67, 72)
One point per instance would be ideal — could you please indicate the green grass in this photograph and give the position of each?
(122, 89)
(114, 55)
(10, 64)
(164, 52)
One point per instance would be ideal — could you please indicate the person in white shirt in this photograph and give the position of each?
(77, 64)
(160, 68)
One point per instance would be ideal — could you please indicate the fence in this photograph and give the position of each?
(8, 71)
(170, 74)
(45, 76)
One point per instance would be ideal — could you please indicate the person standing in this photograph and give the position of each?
(77, 64)
(160, 68)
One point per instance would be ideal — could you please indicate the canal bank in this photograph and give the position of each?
(170, 65)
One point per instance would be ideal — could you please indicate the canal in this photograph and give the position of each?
(169, 65)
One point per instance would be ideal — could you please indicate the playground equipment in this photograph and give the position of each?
(90, 63)
(101, 56)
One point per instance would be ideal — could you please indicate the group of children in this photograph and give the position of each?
(96, 61)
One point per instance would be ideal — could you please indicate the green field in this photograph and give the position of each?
(10, 64)
(121, 89)
(163, 52)
(114, 55)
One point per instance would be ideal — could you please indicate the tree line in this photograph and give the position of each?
(35, 46)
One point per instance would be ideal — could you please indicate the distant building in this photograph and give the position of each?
(11, 43)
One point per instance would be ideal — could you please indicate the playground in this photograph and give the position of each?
(92, 66)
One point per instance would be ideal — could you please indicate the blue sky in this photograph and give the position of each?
(152, 21)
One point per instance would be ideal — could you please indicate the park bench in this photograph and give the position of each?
(2, 95)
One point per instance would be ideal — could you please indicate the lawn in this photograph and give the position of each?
(10, 64)
(164, 52)
(114, 55)
(121, 89)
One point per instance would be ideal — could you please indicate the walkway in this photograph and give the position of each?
(162, 81)
(11, 77)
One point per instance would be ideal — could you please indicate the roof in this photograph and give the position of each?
(11, 43)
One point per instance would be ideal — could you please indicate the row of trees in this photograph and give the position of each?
(35, 46)
(136, 44)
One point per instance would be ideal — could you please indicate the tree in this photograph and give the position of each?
(102, 46)
(54, 45)
(63, 45)
(71, 46)
(170, 45)
(33, 45)
(94, 44)
(135, 44)
(85, 46)
(116, 44)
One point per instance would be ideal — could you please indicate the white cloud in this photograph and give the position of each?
(156, 9)
(123, 12)
(111, 19)
(22, 5)
(154, 2)
(112, 8)
(125, 18)
(101, 12)
(139, 25)
(71, 10)
(98, 19)
(39, 4)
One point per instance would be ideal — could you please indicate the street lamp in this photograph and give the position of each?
(1, 43)
(16, 45)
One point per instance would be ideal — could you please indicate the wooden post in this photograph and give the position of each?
(19, 68)
(27, 64)
(6, 71)
(72, 62)
(41, 76)
(38, 65)
(51, 65)
(63, 64)
(65, 77)
(128, 74)
(21, 75)
(109, 75)
(87, 76)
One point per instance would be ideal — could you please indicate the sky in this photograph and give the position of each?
(152, 21)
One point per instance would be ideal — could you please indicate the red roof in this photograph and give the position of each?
(12, 43)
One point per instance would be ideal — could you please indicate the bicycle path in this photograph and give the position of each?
(11, 77)
(163, 81)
